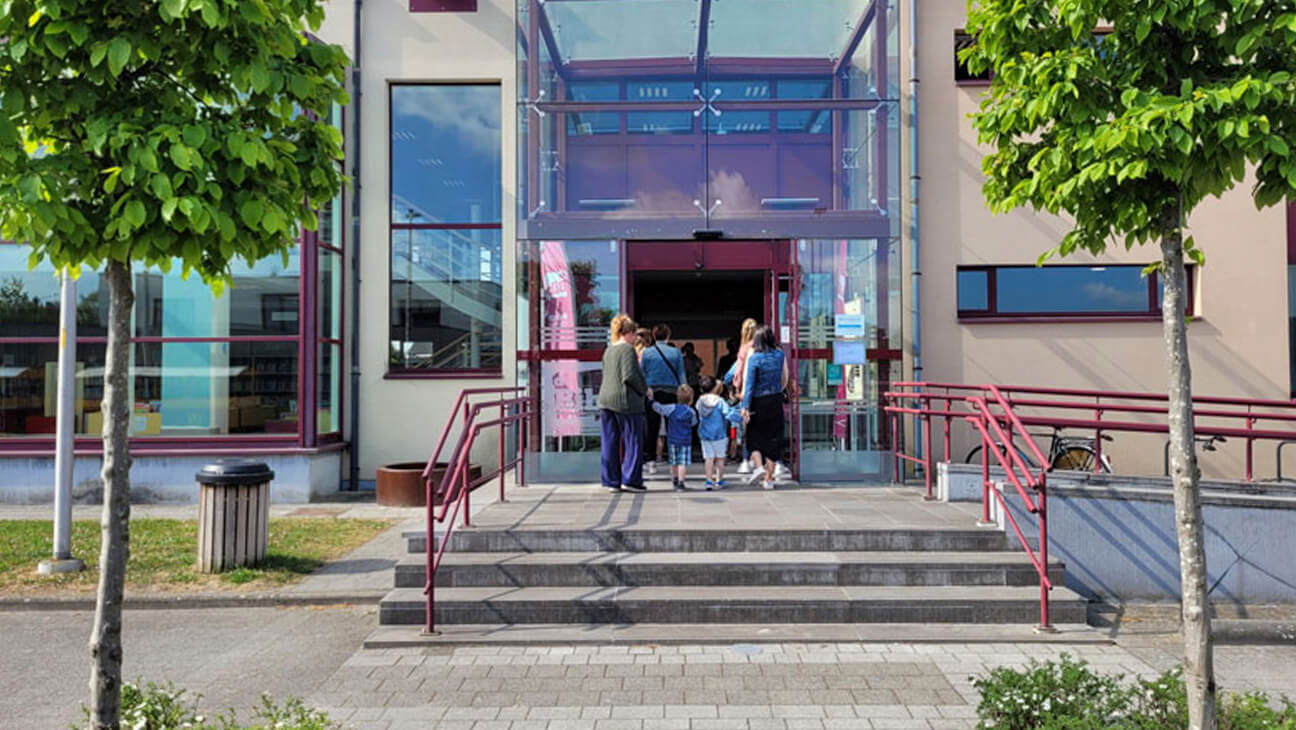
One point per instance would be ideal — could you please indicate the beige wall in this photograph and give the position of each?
(1238, 342)
(401, 419)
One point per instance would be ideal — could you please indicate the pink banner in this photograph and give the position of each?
(562, 391)
(841, 415)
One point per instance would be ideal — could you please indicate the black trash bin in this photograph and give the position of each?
(233, 514)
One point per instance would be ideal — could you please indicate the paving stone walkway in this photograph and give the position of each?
(744, 686)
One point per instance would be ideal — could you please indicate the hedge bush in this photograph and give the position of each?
(153, 706)
(1068, 694)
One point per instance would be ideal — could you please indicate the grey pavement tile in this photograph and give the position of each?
(846, 723)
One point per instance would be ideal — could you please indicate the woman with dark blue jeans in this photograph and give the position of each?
(764, 382)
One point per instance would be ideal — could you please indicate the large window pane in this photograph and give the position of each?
(446, 300)
(580, 293)
(29, 300)
(29, 389)
(328, 418)
(1071, 289)
(262, 299)
(445, 153)
(214, 388)
(330, 295)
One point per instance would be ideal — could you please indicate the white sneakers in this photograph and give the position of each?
(768, 484)
(651, 468)
(745, 467)
(781, 472)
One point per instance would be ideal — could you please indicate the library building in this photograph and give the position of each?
(523, 170)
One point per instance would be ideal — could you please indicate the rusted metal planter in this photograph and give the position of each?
(401, 485)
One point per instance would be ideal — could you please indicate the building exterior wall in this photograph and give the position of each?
(1237, 333)
(1237, 341)
(399, 419)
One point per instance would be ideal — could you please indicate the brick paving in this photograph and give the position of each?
(748, 686)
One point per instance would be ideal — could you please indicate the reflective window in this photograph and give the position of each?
(262, 299)
(446, 258)
(446, 303)
(973, 290)
(445, 152)
(1060, 291)
(29, 299)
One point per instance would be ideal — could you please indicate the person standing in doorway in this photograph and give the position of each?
(764, 382)
(621, 410)
(692, 365)
(739, 370)
(728, 359)
(663, 369)
(643, 340)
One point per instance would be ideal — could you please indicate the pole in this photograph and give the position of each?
(62, 561)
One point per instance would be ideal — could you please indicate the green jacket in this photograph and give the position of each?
(623, 386)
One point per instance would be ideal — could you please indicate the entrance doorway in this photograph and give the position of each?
(833, 304)
(702, 308)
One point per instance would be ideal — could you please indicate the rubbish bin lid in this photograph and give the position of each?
(234, 471)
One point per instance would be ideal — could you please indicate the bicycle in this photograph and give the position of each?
(1065, 453)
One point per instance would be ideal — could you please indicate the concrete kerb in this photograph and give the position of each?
(297, 594)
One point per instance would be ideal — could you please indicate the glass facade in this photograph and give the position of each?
(446, 252)
(771, 123)
(241, 365)
(764, 118)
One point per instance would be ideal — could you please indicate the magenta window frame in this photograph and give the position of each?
(443, 6)
(991, 314)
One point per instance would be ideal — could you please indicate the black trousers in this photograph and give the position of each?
(653, 421)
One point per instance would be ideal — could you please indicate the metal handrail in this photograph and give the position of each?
(994, 440)
(455, 487)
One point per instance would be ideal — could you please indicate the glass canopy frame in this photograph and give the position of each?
(659, 118)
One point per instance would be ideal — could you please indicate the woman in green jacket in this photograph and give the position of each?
(621, 410)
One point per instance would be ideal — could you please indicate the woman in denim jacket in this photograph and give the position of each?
(763, 384)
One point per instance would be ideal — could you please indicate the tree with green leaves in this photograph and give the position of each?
(186, 133)
(1124, 115)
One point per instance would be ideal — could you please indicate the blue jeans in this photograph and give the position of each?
(622, 440)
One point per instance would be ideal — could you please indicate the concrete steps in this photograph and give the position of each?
(877, 568)
(532, 576)
(731, 604)
(473, 540)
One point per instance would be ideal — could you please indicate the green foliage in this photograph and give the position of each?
(1068, 694)
(152, 706)
(1127, 131)
(148, 131)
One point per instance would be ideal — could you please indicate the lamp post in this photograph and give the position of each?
(62, 561)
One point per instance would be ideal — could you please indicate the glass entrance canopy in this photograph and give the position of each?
(657, 118)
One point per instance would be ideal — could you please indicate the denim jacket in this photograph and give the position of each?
(764, 375)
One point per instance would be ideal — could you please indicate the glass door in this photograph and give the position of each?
(569, 291)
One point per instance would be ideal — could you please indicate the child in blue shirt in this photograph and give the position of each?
(714, 417)
(680, 420)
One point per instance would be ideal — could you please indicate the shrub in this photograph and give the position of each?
(1068, 694)
(153, 706)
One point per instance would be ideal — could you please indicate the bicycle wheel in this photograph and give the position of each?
(974, 456)
(1075, 458)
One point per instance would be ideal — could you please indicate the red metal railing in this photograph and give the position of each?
(1249, 420)
(1000, 415)
(988, 411)
(456, 482)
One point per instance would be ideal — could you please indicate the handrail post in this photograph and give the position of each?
(503, 429)
(522, 444)
(985, 477)
(895, 448)
(1045, 625)
(1098, 447)
(464, 485)
(930, 460)
(946, 421)
(1250, 422)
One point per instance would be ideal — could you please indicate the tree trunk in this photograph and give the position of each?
(105, 641)
(1199, 671)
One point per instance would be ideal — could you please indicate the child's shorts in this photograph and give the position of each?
(714, 449)
(680, 454)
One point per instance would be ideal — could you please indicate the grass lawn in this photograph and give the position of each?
(163, 554)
